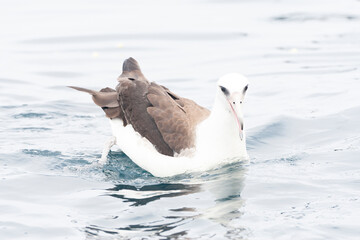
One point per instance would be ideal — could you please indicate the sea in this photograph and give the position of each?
(302, 118)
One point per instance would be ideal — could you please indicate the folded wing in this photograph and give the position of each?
(157, 114)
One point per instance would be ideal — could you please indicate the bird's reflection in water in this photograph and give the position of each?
(143, 195)
(226, 189)
(169, 210)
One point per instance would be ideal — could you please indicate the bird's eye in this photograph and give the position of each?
(224, 90)
(240, 102)
(233, 102)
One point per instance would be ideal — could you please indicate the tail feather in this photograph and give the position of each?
(130, 65)
(102, 98)
(91, 92)
(131, 70)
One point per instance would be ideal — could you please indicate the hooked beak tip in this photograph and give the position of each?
(239, 121)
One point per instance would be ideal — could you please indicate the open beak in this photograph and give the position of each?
(238, 115)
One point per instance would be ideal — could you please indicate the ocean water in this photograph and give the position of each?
(302, 118)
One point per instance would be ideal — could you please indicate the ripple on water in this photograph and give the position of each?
(13, 106)
(47, 115)
(138, 220)
(30, 115)
(301, 17)
(33, 129)
(44, 153)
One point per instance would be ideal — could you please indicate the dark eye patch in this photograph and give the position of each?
(224, 90)
(246, 88)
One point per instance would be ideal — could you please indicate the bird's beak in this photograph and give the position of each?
(238, 114)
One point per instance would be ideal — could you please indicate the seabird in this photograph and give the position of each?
(166, 134)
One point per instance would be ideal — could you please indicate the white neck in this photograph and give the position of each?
(218, 135)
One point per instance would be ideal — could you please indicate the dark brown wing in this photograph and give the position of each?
(175, 117)
(165, 119)
(194, 112)
(103, 98)
(132, 90)
(107, 99)
(131, 71)
(113, 112)
(133, 101)
(170, 118)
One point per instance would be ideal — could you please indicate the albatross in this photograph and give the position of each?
(166, 134)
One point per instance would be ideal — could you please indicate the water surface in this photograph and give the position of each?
(302, 119)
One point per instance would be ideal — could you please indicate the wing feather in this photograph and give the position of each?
(134, 104)
(170, 118)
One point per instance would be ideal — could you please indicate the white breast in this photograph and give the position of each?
(210, 151)
(144, 154)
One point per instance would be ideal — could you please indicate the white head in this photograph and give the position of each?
(231, 92)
